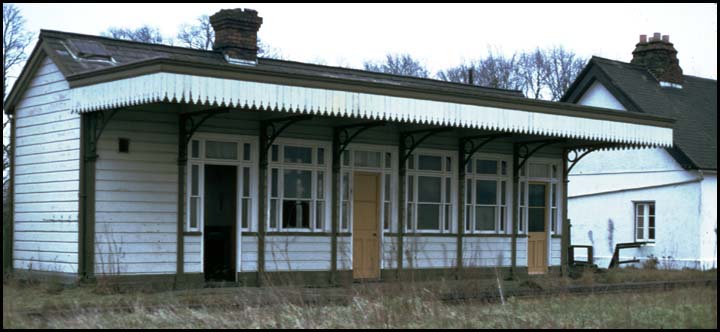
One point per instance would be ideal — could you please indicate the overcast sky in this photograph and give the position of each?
(440, 35)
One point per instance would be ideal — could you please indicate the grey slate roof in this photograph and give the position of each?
(694, 106)
(58, 44)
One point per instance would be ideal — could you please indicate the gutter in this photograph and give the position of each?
(695, 180)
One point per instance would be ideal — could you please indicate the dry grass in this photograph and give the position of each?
(384, 305)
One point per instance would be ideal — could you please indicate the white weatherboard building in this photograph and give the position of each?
(148, 162)
(663, 197)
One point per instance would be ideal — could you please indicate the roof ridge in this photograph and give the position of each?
(601, 59)
(401, 77)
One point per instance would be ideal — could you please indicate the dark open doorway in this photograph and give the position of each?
(220, 220)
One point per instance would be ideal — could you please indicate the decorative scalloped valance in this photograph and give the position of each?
(191, 89)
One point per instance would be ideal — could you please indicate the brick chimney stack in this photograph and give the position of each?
(236, 34)
(659, 56)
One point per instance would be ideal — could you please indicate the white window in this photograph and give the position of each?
(221, 150)
(369, 159)
(540, 170)
(645, 221)
(297, 179)
(430, 192)
(486, 195)
(195, 202)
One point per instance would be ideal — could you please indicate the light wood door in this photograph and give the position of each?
(366, 226)
(537, 228)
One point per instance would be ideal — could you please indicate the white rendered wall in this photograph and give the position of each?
(47, 173)
(604, 171)
(677, 224)
(708, 212)
(599, 96)
(604, 184)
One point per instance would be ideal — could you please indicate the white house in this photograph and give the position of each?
(665, 197)
(149, 162)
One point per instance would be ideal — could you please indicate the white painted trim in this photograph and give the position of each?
(281, 142)
(496, 177)
(239, 163)
(159, 87)
(411, 226)
(382, 171)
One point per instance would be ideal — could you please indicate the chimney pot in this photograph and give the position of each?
(643, 39)
(660, 58)
(236, 33)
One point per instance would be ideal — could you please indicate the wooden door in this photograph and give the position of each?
(537, 228)
(366, 226)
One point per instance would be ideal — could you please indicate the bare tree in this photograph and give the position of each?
(563, 67)
(540, 74)
(494, 71)
(201, 35)
(144, 34)
(398, 64)
(15, 40)
(533, 73)
(459, 74)
(269, 52)
(498, 71)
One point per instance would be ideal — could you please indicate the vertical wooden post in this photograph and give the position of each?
(565, 242)
(89, 158)
(402, 205)
(461, 207)
(181, 161)
(262, 200)
(9, 224)
(515, 205)
(335, 197)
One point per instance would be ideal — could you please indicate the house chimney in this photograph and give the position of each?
(660, 57)
(236, 34)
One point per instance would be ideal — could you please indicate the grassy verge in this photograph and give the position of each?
(383, 305)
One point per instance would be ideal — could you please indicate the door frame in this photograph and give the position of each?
(546, 216)
(202, 161)
(378, 195)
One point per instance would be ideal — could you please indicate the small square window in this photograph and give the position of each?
(124, 145)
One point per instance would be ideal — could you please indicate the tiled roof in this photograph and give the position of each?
(694, 106)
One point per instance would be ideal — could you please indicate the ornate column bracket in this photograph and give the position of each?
(470, 145)
(97, 123)
(410, 142)
(346, 137)
(189, 124)
(275, 127)
(524, 151)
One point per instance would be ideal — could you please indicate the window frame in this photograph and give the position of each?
(646, 221)
(471, 193)
(281, 166)
(446, 224)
